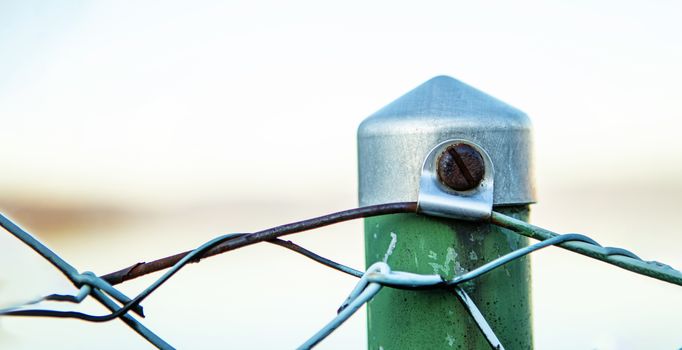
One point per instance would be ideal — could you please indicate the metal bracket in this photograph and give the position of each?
(436, 198)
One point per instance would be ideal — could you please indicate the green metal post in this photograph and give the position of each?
(392, 145)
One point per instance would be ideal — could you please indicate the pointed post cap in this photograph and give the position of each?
(393, 142)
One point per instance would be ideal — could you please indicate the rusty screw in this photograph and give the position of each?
(461, 167)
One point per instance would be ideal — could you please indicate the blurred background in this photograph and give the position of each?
(135, 130)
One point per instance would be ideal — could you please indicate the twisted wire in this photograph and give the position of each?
(101, 288)
(615, 256)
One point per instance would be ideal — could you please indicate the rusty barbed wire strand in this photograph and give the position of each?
(144, 268)
(222, 244)
(180, 264)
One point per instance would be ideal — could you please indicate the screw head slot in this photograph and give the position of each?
(461, 167)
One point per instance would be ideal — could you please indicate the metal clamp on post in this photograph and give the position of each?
(457, 181)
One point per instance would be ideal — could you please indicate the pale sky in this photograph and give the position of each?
(126, 101)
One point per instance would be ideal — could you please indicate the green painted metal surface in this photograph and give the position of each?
(403, 319)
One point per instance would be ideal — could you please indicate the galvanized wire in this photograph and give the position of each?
(615, 256)
(377, 276)
(78, 279)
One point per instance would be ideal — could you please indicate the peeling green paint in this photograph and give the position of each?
(403, 319)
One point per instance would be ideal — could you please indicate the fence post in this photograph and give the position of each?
(392, 146)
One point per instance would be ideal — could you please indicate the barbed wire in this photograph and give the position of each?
(371, 281)
(143, 268)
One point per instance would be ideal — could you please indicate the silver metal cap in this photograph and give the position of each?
(393, 142)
